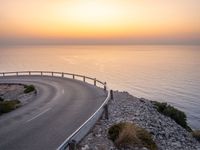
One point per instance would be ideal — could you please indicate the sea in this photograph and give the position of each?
(165, 73)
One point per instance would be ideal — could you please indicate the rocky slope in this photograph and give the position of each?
(167, 134)
(15, 91)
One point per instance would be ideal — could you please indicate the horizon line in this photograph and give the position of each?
(102, 44)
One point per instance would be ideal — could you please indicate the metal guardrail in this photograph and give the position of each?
(76, 136)
(56, 74)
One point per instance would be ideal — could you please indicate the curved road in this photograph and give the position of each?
(59, 108)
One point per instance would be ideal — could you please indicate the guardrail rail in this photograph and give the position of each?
(76, 136)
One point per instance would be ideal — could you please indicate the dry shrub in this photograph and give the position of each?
(128, 135)
(196, 134)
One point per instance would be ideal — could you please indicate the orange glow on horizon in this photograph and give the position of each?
(99, 19)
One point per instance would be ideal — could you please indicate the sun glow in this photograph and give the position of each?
(90, 13)
(99, 19)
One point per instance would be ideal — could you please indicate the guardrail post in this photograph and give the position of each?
(72, 145)
(83, 78)
(106, 111)
(111, 94)
(62, 75)
(95, 81)
(105, 86)
(73, 76)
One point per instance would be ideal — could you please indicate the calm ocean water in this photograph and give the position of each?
(162, 73)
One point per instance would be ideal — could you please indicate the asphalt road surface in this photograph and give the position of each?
(59, 108)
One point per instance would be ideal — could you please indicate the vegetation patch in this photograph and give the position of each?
(177, 115)
(7, 106)
(196, 134)
(1, 99)
(128, 135)
(29, 88)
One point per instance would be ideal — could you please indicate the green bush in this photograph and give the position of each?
(196, 135)
(1, 99)
(29, 88)
(177, 115)
(7, 106)
(127, 135)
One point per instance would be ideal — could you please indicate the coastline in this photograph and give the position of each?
(166, 133)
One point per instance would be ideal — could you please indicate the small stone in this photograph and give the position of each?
(176, 144)
(86, 147)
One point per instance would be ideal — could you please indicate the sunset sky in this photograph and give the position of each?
(99, 21)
